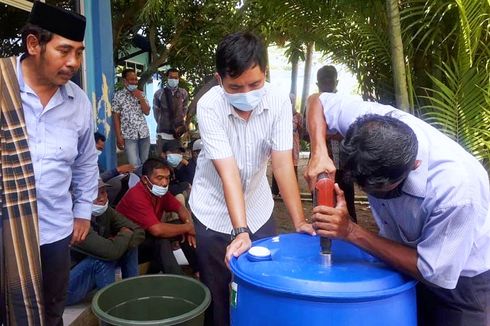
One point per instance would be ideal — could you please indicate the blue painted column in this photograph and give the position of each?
(100, 72)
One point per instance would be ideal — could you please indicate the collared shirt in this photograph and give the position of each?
(133, 122)
(224, 134)
(144, 208)
(62, 147)
(444, 210)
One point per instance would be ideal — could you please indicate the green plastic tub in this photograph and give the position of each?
(161, 299)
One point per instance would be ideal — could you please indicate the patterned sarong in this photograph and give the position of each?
(21, 284)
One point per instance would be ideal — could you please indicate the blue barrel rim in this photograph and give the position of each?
(102, 315)
(339, 296)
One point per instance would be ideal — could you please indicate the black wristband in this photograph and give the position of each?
(239, 230)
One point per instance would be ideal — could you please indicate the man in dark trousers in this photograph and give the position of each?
(170, 104)
(430, 199)
(49, 164)
(243, 123)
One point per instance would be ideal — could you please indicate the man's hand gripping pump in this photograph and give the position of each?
(324, 195)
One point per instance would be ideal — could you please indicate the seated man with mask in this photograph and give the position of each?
(112, 241)
(183, 170)
(145, 204)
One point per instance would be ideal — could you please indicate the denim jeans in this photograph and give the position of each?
(92, 273)
(129, 263)
(137, 150)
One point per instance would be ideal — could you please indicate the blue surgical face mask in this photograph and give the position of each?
(132, 88)
(172, 83)
(174, 159)
(98, 210)
(158, 191)
(246, 101)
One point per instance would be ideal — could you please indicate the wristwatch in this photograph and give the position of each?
(237, 231)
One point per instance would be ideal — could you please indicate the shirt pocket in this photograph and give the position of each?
(62, 145)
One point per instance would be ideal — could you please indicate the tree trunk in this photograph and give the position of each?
(267, 69)
(294, 75)
(397, 58)
(306, 83)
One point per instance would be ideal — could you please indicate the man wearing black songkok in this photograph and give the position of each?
(48, 166)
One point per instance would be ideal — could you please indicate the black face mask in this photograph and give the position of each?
(394, 193)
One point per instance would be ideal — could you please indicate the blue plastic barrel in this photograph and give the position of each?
(293, 287)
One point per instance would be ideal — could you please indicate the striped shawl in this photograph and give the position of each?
(20, 263)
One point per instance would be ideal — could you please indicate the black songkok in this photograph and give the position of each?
(56, 20)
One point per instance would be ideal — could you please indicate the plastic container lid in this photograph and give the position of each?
(258, 253)
(295, 267)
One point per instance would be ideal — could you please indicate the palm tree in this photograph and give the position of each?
(446, 55)
(453, 37)
(397, 57)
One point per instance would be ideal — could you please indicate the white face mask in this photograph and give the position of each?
(98, 210)
(132, 88)
(158, 191)
(174, 159)
(246, 101)
(98, 151)
(172, 83)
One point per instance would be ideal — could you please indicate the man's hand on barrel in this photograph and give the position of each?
(237, 247)
(333, 222)
(305, 228)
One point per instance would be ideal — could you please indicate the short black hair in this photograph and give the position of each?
(378, 150)
(43, 36)
(126, 72)
(326, 72)
(172, 70)
(98, 136)
(238, 52)
(326, 77)
(152, 164)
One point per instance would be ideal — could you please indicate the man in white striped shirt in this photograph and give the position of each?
(243, 122)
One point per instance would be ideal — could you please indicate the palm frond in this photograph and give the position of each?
(459, 107)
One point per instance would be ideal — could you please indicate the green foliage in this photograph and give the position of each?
(459, 108)
(445, 45)
(12, 20)
(304, 145)
(180, 33)
(457, 96)
(446, 50)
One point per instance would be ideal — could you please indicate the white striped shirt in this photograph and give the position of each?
(224, 134)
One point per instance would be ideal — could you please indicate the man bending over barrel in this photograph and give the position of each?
(429, 197)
